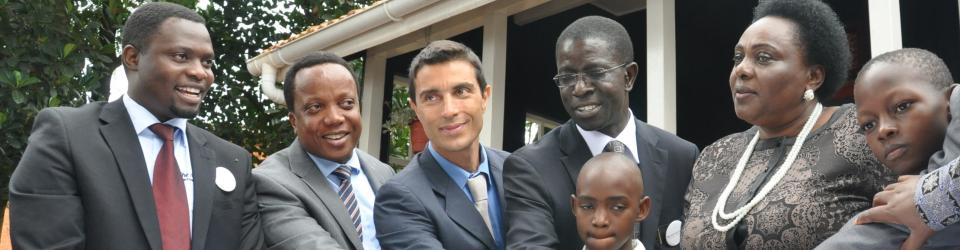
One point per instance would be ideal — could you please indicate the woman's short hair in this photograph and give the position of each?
(820, 35)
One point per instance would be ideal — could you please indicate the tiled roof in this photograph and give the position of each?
(321, 26)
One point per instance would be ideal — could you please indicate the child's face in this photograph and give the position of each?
(606, 206)
(904, 120)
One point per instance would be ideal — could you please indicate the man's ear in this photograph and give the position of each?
(631, 77)
(130, 57)
(293, 119)
(486, 92)
(413, 106)
(644, 208)
(573, 204)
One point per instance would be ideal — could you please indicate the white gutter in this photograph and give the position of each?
(266, 65)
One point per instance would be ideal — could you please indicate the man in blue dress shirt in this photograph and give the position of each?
(451, 196)
(318, 193)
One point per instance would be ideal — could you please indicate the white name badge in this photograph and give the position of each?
(225, 180)
(673, 233)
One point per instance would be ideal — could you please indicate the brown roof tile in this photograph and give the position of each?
(317, 28)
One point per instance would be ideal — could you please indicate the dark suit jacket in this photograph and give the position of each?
(82, 183)
(299, 209)
(422, 208)
(539, 179)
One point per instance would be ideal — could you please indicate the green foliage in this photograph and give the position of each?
(399, 124)
(54, 52)
(62, 52)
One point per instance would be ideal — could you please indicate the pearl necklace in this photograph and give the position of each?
(738, 214)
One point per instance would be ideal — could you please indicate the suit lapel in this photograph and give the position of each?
(574, 149)
(306, 169)
(456, 204)
(201, 159)
(118, 132)
(373, 175)
(496, 169)
(654, 173)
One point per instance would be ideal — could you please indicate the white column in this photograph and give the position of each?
(661, 65)
(494, 70)
(884, 26)
(371, 103)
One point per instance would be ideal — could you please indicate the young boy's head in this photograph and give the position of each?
(608, 201)
(902, 101)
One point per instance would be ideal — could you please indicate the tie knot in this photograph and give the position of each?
(343, 172)
(477, 185)
(162, 130)
(615, 146)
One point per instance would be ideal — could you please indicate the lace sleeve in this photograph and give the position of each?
(937, 194)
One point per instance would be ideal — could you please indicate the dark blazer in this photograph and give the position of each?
(539, 179)
(299, 209)
(82, 183)
(422, 208)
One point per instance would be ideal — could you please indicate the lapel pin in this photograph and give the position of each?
(225, 180)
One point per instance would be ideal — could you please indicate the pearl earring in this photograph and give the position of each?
(808, 95)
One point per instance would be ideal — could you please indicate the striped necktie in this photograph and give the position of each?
(348, 198)
(478, 189)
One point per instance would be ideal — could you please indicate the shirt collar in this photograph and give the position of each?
(327, 166)
(456, 173)
(596, 141)
(142, 118)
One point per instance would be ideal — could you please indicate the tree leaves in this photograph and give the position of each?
(62, 52)
(68, 48)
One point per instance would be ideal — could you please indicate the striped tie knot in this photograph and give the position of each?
(343, 172)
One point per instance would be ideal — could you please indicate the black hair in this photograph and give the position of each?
(315, 58)
(926, 64)
(146, 19)
(443, 51)
(604, 29)
(820, 35)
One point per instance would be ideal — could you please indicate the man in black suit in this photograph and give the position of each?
(596, 72)
(133, 174)
(449, 196)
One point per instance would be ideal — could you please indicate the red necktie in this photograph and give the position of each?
(169, 194)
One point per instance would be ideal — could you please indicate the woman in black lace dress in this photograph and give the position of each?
(802, 170)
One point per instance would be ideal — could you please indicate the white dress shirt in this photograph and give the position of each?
(151, 144)
(596, 141)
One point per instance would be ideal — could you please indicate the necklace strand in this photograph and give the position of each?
(737, 215)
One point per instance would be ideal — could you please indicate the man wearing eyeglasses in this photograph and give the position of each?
(595, 75)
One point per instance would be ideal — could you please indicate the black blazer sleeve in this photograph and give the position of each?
(529, 218)
(45, 206)
(402, 220)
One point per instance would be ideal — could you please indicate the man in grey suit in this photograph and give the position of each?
(451, 195)
(595, 75)
(318, 193)
(132, 173)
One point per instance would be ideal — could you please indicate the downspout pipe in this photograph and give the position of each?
(267, 65)
(268, 84)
